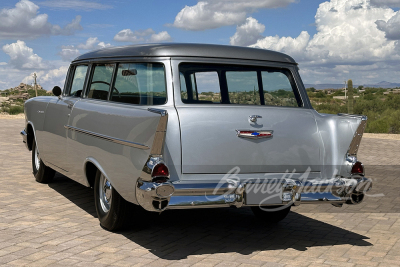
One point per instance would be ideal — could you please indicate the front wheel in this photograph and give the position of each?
(42, 173)
(112, 210)
(272, 214)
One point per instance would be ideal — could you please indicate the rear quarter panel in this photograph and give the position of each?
(336, 133)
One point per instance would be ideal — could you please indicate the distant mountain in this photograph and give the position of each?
(382, 84)
(325, 86)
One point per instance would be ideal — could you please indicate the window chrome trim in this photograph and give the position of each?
(107, 138)
(294, 76)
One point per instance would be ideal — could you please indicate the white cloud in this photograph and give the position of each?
(22, 56)
(75, 5)
(50, 78)
(23, 62)
(385, 3)
(141, 36)
(69, 29)
(391, 27)
(160, 37)
(92, 43)
(248, 33)
(23, 21)
(292, 46)
(211, 14)
(346, 41)
(70, 52)
(103, 45)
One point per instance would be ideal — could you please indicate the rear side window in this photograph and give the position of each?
(140, 83)
(78, 80)
(101, 81)
(278, 89)
(241, 85)
(200, 87)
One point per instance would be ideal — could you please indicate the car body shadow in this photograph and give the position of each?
(177, 234)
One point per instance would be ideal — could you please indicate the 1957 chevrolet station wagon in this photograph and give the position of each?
(183, 126)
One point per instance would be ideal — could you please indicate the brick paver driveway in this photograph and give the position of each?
(56, 224)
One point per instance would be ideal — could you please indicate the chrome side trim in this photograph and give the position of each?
(355, 143)
(56, 166)
(107, 138)
(159, 111)
(362, 117)
(159, 138)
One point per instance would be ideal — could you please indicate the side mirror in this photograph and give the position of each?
(57, 91)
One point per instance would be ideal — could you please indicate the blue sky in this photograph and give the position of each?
(332, 40)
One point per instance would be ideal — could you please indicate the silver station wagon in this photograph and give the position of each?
(186, 126)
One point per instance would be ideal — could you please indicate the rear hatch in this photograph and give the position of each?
(246, 117)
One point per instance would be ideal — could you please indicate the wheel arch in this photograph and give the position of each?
(30, 130)
(91, 166)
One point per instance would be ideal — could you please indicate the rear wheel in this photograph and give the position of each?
(271, 214)
(112, 210)
(42, 173)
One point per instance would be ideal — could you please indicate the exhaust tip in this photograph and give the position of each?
(355, 198)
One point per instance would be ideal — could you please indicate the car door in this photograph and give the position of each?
(247, 117)
(57, 116)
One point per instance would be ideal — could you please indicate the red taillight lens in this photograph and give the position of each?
(358, 168)
(160, 170)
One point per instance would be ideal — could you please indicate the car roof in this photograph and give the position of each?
(187, 50)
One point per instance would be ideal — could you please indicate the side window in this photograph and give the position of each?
(101, 81)
(140, 83)
(78, 80)
(200, 87)
(243, 87)
(278, 90)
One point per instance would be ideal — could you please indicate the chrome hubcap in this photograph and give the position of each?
(105, 193)
(37, 158)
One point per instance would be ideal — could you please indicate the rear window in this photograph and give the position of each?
(241, 85)
(140, 83)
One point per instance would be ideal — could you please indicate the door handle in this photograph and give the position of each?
(253, 118)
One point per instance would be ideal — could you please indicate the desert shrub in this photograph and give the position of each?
(14, 110)
(334, 108)
(377, 126)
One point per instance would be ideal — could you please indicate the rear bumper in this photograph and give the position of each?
(24, 138)
(189, 195)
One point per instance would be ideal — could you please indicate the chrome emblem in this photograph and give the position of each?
(254, 134)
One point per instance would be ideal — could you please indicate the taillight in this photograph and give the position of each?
(160, 170)
(357, 168)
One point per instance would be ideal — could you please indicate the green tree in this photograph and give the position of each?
(350, 100)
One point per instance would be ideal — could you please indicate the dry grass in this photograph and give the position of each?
(8, 117)
(382, 136)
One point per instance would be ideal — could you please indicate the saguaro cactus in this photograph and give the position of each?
(350, 99)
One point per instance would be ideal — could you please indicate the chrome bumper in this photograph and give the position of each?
(24, 138)
(188, 195)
